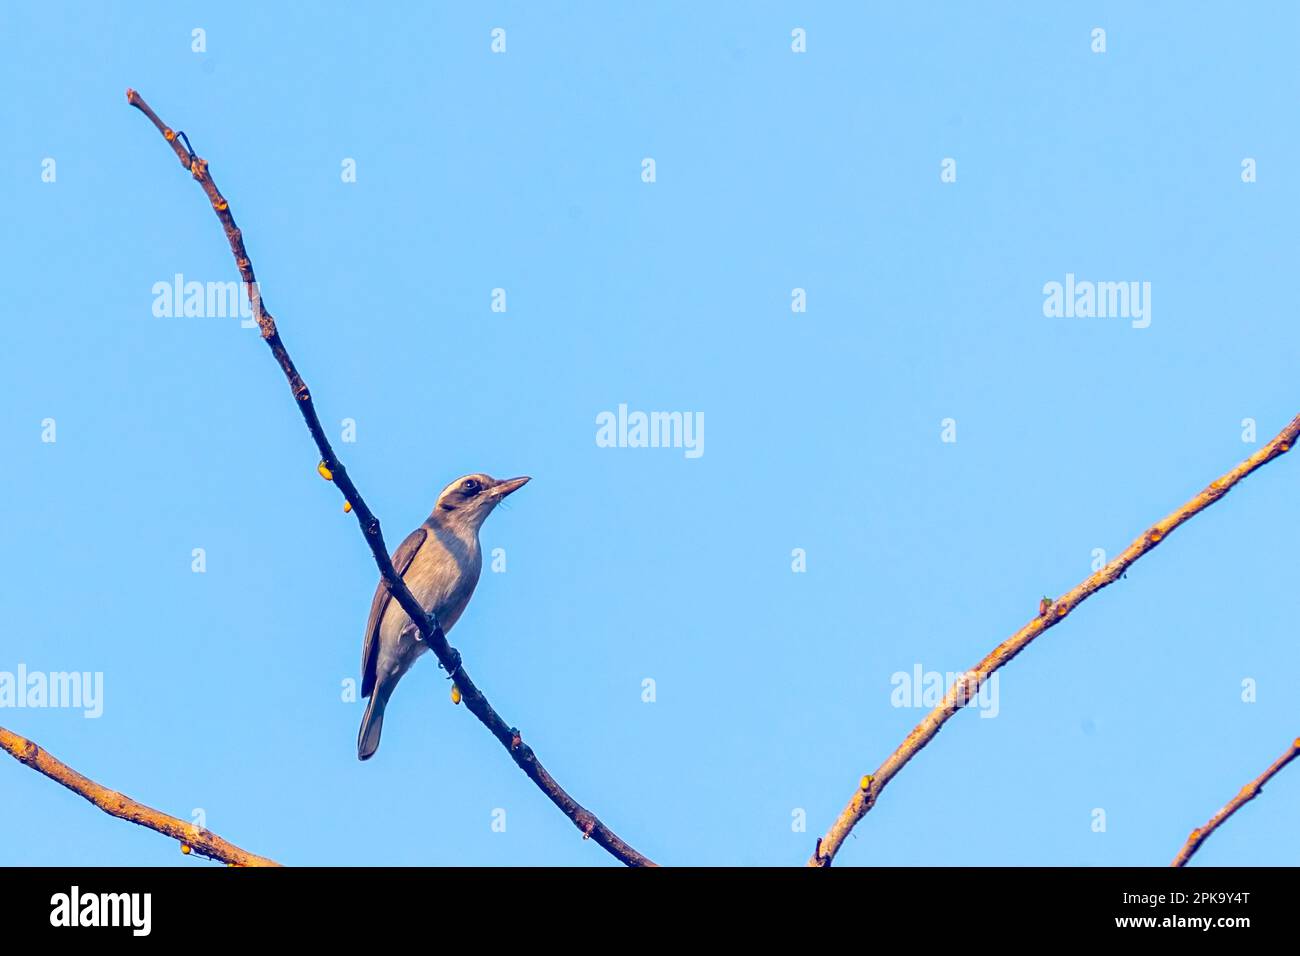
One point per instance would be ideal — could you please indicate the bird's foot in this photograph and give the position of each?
(455, 664)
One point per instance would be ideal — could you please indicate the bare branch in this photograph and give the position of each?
(192, 838)
(430, 631)
(1248, 793)
(1050, 614)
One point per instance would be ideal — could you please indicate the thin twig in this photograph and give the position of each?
(192, 838)
(1248, 793)
(430, 631)
(1050, 614)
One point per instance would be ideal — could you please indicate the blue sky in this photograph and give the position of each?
(774, 170)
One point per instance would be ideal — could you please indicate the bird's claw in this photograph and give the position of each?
(455, 664)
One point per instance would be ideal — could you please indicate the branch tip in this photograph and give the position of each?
(1247, 793)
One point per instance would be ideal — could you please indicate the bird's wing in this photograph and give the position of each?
(402, 559)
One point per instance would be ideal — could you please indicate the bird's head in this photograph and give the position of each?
(469, 500)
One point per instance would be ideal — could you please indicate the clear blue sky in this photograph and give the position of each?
(774, 171)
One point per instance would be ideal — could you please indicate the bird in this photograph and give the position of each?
(440, 562)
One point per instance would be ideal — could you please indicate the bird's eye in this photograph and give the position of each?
(470, 485)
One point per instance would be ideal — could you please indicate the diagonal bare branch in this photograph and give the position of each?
(1248, 793)
(430, 631)
(1050, 614)
(192, 838)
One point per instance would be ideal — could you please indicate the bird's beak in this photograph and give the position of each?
(508, 486)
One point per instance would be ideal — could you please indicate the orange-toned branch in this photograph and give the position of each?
(475, 701)
(1248, 793)
(1050, 614)
(192, 838)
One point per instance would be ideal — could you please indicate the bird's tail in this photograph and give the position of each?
(372, 724)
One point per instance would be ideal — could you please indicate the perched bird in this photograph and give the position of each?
(440, 562)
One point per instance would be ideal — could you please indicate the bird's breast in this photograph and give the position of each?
(442, 577)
